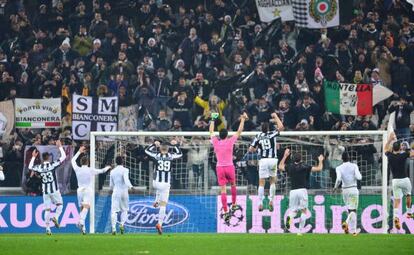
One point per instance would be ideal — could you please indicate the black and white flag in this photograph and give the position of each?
(93, 114)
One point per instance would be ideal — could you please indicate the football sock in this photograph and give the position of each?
(58, 212)
(260, 191)
(233, 194)
(302, 222)
(47, 218)
(124, 216)
(272, 191)
(113, 220)
(161, 214)
(83, 214)
(224, 201)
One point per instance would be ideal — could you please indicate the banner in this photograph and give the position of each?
(326, 214)
(183, 214)
(24, 214)
(316, 13)
(128, 118)
(93, 114)
(38, 113)
(63, 172)
(270, 10)
(347, 98)
(6, 119)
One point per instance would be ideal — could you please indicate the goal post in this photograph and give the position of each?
(307, 142)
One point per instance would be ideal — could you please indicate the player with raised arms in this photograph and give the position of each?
(50, 189)
(163, 158)
(265, 142)
(298, 196)
(348, 174)
(85, 176)
(226, 172)
(120, 184)
(401, 185)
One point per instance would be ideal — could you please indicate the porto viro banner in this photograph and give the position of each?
(38, 113)
(325, 215)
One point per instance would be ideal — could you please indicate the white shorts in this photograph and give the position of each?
(120, 201)
(351, 198)
(267, 167)
(162, 190)
(84, 196)
(298, 199)
(401, 187)
(52, 198)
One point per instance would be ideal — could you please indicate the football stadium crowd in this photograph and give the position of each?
(181, 60)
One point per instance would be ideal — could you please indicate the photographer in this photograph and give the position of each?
(402, 117)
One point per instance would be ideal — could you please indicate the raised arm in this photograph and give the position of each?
(319, 167)
(338, 179)
(243, 118)
(253, 145)
(177, 151)
(283, 161)
(75, 157)
(391, 138)
(278, 122)
(152, 149)
(211, 128)
(62, 151)
(32, 160)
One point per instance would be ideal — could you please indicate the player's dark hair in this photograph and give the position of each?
(223, 133)
(45, 155)
(84, 161)
(396, 146)
(119, 160)
(265, 127)
(345, 157)
(297, 157)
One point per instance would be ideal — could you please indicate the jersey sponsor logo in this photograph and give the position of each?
(142, 215)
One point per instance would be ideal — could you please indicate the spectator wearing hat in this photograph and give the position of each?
(64, 53)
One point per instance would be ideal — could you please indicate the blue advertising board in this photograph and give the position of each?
(183, 214)
(23, 214)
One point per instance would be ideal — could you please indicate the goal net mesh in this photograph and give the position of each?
(194, 182)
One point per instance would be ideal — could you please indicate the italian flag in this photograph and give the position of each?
(348, 98)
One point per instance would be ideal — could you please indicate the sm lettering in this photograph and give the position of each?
(82, 104)
(108, 105)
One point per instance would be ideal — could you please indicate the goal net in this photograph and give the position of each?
(195, 206)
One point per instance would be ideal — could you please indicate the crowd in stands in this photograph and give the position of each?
(182, 60)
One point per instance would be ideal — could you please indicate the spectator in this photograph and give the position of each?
(402, 111)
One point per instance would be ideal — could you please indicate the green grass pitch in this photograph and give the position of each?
(181, 244)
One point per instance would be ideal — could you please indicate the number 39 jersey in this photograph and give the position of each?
(163, 162)
(266, 144)
(47, 174)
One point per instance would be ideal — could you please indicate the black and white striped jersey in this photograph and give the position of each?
(163, 162)
(266, 144)
(47, 173)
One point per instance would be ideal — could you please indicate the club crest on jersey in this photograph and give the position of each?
(142, 215)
